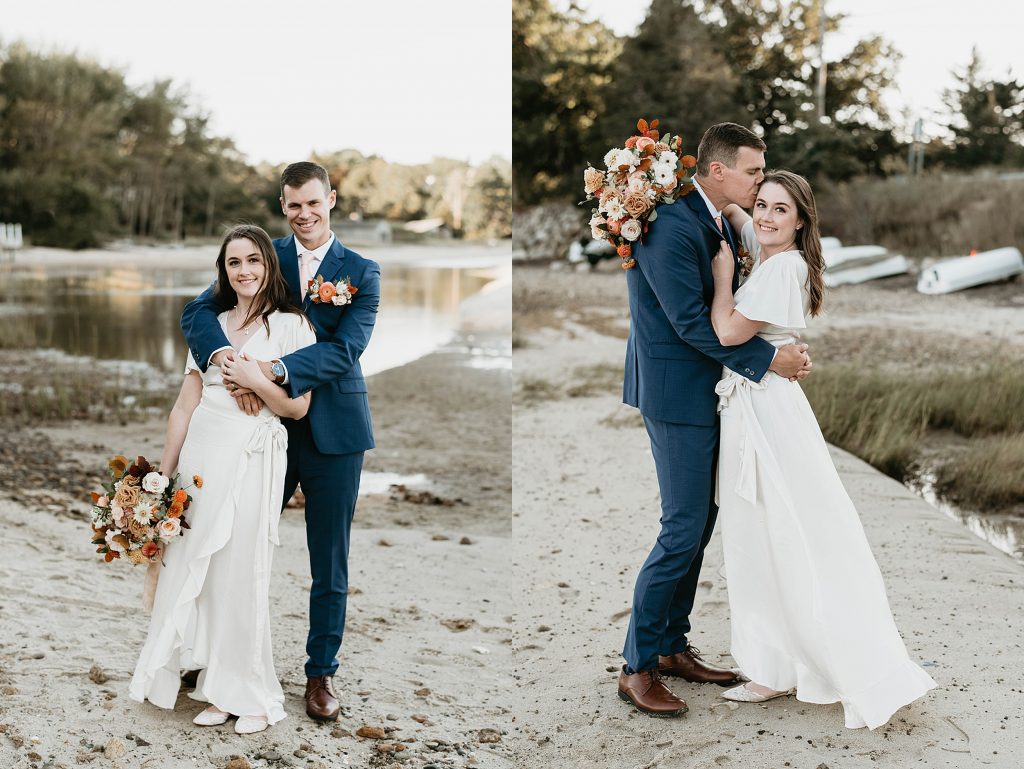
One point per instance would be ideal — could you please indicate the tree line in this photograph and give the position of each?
(85, 158)
(578, 90)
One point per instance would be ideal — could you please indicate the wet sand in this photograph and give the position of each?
(426, 655)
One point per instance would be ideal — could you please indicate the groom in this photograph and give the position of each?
(325, 448)
(673, 362)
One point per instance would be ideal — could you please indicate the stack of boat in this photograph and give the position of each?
(857, 264)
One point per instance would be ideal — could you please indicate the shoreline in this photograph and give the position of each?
(425, 656)
(593, 497)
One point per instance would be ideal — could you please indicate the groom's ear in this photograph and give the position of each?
(332, 199)
(283, 209)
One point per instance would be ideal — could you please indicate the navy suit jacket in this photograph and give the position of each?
(673, 357)
(339, 413)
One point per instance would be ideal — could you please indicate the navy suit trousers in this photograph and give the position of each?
(330, 483)
(685, 457)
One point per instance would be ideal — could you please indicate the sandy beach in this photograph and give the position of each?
(426, 662)
(588, 516)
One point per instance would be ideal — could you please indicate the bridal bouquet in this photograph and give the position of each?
(139, 511)
(648, 170)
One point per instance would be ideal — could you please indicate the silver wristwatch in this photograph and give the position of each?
(277, 369)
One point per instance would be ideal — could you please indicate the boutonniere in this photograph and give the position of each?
(321, 291)
(746, 261)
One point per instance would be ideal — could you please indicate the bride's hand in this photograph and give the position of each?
(723, 265)
(243, 372)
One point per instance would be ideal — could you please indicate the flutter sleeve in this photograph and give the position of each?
(774, 293)
(191, 365)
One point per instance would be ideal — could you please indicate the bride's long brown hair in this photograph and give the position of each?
(808, 237)
(273, 295)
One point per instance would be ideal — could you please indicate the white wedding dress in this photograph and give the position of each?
(211, 608)
(808, 604)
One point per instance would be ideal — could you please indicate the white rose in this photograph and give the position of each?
(155, 483)
(343, 297)
(625, 158)
(118, 516)
(631, 230)
(168, 529)
(595, 233)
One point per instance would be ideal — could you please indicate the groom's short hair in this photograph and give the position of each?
(297, 174)
(722, 142)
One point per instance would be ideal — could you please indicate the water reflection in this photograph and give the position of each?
(1003, 530)
(131, 312)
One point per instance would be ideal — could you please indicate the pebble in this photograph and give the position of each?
(440, 538)
(424, 692)
(488, 735)
(238, 762)
(371, 732)
(391, 717)
(340, 732)
(270, 755)
(465, 541)
(420, 719)
(114, 749)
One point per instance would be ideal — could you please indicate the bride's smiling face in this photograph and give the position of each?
(775, 218)
(244, 265)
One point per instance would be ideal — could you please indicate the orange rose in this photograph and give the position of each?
(180, 496)
(327, 292)
(645, 143)
(352, 289)
(631, 142)
(689, 161)
(629, 264)
(624, 250)
(175, 510)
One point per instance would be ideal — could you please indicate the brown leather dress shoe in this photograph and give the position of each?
(689, 666)
(648, 694)
(321, 704)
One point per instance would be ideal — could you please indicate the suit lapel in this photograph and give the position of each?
(289, 259)
(330, 266)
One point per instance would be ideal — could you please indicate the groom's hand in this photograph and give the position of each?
(247, 401)
(792, 362)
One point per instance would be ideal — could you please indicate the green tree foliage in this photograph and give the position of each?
(986, 119)
(561, 67)
(85, 158)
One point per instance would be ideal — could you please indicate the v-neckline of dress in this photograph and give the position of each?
(224, 326)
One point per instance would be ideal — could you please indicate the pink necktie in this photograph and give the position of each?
(718, 221)
(305, 263)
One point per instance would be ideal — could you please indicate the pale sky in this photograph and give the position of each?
(934, 37)
(404, 79)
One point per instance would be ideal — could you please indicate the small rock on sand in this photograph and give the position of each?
(371, 732)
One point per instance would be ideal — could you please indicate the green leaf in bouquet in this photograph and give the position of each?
(653, 216)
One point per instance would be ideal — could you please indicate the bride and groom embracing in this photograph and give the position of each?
(273, 397)
(809, 613)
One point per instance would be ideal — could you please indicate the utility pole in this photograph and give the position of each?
(821, 60)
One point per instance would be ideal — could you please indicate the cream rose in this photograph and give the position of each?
(168, 529)
(127, 495)
(155, 483)
(595, 233)
(631, 230)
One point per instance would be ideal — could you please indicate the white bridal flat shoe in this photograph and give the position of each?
(250, 724)
(743, 694)
(211, 717)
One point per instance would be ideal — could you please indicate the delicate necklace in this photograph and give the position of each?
(248, 328)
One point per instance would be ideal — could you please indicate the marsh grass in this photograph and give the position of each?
(885, 417)
(931, 215)
(987, 475)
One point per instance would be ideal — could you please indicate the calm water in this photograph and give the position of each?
(132, 312)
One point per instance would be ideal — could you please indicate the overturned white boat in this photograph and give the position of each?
(859, 264)
(886, 267)
(966, 271)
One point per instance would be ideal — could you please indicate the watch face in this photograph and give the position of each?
(277, 369)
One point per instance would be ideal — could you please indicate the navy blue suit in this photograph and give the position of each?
(673, 362)
(325, 448)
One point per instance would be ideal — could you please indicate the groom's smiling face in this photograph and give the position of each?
(739, 184)
(308, 209)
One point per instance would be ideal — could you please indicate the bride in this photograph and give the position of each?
(810, 615)
(211, 608)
